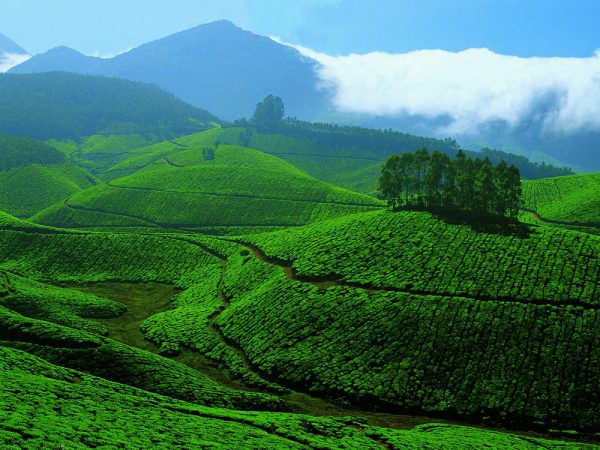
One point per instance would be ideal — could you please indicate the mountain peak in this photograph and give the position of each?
(9, 46)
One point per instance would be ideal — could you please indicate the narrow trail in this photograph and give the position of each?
(326, 282)
(541, 219)
(300, 402)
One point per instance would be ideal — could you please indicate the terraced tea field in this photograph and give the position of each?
(570, 202)
(255, 321)
(240, 190)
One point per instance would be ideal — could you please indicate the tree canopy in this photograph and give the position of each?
(464, 185)
(269, 113)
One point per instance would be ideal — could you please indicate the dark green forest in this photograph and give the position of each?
(64, 105)
(468, 186)
(18, 151)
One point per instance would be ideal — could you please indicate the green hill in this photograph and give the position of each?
(352, 157)
(174, 186)
(19, 151)
(404, 311)
(48, 405)
(29, 189)
(570, 201)
(35, 175)
(54, 348)
(99, 152)
(63, 105)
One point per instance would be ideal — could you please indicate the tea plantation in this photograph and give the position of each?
(238, 188)
(26, 190)
(569, 201)
(459, 356)
(44, 405)
(192, 292)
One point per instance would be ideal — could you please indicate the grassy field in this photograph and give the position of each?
(571, 201)
(241, 188)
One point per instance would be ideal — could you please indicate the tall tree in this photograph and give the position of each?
(485, 189)
(421, 160)
(465, 185)
(269, 113)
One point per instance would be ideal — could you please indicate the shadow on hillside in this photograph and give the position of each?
(489, 226)
(481, 223)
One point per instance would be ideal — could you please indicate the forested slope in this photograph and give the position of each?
(62, 105)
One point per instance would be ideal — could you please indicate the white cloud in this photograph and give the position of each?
(9, 60)
(472, 88)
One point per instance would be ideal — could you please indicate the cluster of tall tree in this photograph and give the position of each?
(465, 186)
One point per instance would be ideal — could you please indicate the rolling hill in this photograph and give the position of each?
(351, 157)
(217, 66)
(19, 151)
(29, 189)
(407, 312)
(570, 201)
(174, 186)
(34, 175)
(81, 367)
(57, 402)
(63, 105)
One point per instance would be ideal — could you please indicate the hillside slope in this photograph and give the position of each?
(241, 189)
(411, 314)
(61, 363)
(34, 175)
(19, 151)
(47, 405)
(570, 201)
(216, 66)
(29, 189)
(351, 157)
(64, 105)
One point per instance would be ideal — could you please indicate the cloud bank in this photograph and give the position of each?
(470, 89)
(9, 60)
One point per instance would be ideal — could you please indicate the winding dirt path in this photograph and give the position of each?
(325, 282)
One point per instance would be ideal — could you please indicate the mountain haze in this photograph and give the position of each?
(217, 66)
(67, 105)
(9, 46)
(11, 54)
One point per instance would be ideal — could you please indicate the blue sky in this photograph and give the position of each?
(515, 27)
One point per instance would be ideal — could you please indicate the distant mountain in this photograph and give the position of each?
(217, 66)
(9, 46)
(61, 59)
(11, 54)
(227, 70)
(66, 105)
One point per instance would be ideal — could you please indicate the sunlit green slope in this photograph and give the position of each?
(63, 382)
(403, 309)
(26, 190)
(44, 405)
(240, 189)
(570, 201)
